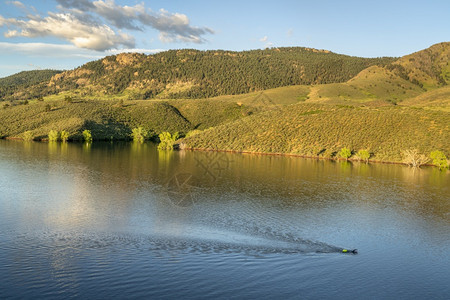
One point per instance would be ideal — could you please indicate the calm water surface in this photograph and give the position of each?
(128, 221)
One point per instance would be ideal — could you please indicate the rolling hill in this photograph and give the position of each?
(17, 86)
(286, 101)
(203, 74)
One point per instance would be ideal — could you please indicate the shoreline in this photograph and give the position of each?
(300, 156)
(238, 152)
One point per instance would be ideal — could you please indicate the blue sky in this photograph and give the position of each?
(64, 34)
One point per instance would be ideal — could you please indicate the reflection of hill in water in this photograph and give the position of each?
(127, 185)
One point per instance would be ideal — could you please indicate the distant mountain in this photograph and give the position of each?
(202, 74)
(16, 85)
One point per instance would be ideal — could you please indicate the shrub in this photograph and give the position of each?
(48, 107)
(413, 158)
(64, 136)
(439, 159)
(167, 140)
(345, 153)
(139, 134)
(68, 99)
(27, 136)
(87, 136)
(363, 155)
(53, 136)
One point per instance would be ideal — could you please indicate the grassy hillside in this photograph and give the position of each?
(322, 130)
(201, 74)
(104, 119)
(429, 68)
(437, 99)
(374, 84)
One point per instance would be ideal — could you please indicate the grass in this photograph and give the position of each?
(103, 118)
(372, 84)
(385, 131)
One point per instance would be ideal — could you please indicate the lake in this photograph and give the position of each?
(124, 220)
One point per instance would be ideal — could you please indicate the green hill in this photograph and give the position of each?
(428, 68)
(322, 130)
(104, 119)
(437, 99)
(26, 84)
(202, 74)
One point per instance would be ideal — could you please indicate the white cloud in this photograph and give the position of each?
(66, 26)
(17, 4)
(264, 39)
(97, 24)
(173, 27)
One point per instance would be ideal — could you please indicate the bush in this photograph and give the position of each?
(48, 107)
(68, 99)
(345, 153)
(139, 134)
(53, 136)
(64, 136)
(363, 155)
(27, 136)
(87, 136)
(167, 140)
(439, 159)
(413, 158)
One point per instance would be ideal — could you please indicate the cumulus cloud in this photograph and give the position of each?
(66, 26)
(173, 27)
(98, 24)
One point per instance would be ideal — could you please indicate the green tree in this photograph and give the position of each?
(167, 140)
(27, 136)
(345, 153)
(363, 155)
(64, 136)
(139, 134)
(439, 159)
(87, 135)
(53, 136)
